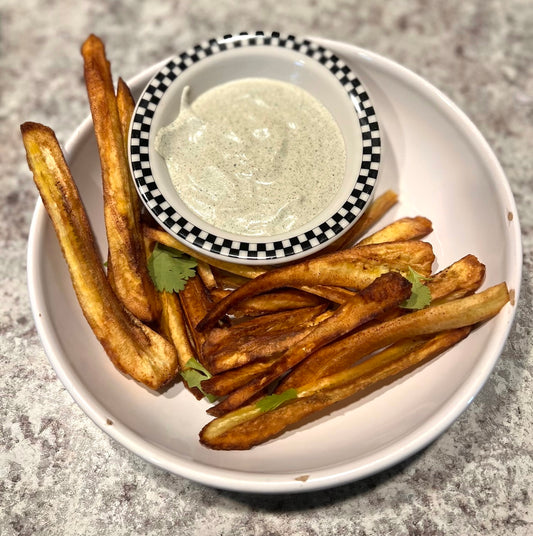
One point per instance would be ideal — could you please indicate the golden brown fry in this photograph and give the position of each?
(224, 383)
(273, 302)
(195, 303)
(127, 259)
(334, 294)
(206, 275)
(463, 277)
(385, 292)
(158, 235)
(344, 353)
(133, 347)
(259, 338)
(249, 426)
(402, 229)
(355, 268)
(126, 107)
(228, 281)
(377, 209)
(173, 327)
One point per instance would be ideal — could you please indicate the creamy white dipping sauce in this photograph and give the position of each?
(256, 157)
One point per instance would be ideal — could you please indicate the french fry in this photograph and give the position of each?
(134, 348)
(355, 268)
(173, 327)
(273, 302)
(195, 303)
(463, 277)
(402, 229)
(460, 279)
(385, 292)
(126, 107)
(127, 259)
(345, 352)
(334, 294)
(259, 338)
(206, 275)
(377, 209)
(224, 383)
(250, 426)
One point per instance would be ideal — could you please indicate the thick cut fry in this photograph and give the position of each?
(355, 268)
(173, 326)
(134, 348)
(249, 426)
(259, 338)
(158, 235)
(402, 229)
(377, 209)
(130, 278)
(273, 302)
(337, 295)
(126, 107)
(224, 383)
(206, 275)
(461, 278)
(195, 303)
(451, 315)
(385, 292)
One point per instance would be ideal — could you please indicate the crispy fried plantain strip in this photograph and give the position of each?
(377, 209)
(173, 326)
(195, 302)
(249, 426)
(355, 268)
(460, 279)
(343, 353)
(272, 302)
(402, 229)
(224, 383)
(158, 235)
(206, 275)
(127, 259)
(126, 107)
(385, 292)
(133, 347)
(259, 338)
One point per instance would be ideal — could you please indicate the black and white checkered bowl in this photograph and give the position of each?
(281, 57)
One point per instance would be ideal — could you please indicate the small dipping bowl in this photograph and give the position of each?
(259, 55)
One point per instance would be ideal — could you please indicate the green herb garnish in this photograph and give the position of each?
(194, 375)
(170, 269)
(420, 293)
(270, 402)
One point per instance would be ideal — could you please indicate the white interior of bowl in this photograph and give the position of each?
(260, 62)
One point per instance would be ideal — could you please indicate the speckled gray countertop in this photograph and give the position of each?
(60, 475)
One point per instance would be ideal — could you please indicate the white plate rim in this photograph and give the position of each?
(283, 482)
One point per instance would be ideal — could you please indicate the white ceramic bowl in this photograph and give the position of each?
(301, 62)
(443, 169)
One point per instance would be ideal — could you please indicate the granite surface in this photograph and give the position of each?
(60, 475)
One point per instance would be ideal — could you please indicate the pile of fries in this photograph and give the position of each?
(269, 345)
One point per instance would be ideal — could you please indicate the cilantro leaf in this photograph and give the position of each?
(169, 268)
(194, 375)
(270, 402)
(420, 293)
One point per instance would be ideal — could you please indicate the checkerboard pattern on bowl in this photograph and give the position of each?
(265, 250)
